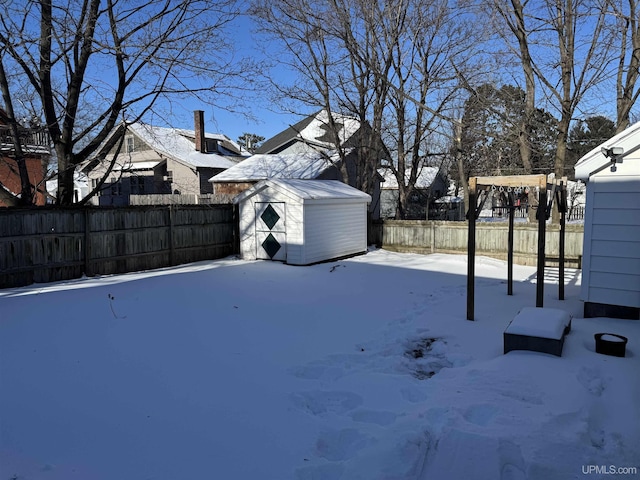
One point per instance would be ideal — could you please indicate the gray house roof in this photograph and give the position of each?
(313, 130)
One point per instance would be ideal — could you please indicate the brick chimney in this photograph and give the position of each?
(198, 120)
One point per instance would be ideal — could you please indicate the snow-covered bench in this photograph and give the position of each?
(538, 329)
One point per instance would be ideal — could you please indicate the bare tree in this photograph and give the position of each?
(433, 40)
(565, 45)
(626, 28)
(514, 17)
(91, 62)
(330, 44)
(387, 63)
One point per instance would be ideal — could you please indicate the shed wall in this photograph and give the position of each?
(611, 257)
(333, 230)
(317, 230)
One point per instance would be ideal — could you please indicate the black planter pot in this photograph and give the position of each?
(615, 346)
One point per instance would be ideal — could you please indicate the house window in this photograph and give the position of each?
(116, 189)
(130, 144)
(137, 185)
(211, 145)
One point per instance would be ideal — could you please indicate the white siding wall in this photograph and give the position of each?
(334, 229)
(611, 257)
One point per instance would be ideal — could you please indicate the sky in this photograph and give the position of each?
(270, 118)
(360, 369)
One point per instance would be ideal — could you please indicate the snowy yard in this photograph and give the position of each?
(359, 369)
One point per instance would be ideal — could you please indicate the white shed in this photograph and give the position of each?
(611, 247)
(302, 222)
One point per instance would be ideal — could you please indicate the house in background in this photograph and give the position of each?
(37, 152)
(611, 247)
(430, 185)
(80, 187)
(156, 161)
(312, 135)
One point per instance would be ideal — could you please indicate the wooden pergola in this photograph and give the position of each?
(508, 186)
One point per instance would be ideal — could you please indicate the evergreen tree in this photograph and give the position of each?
(250, 141)
(588, 134)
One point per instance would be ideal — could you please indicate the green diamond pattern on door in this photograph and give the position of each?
(270, 217)
(271, 245)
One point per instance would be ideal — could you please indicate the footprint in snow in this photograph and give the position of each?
(480, 414)
(338, 445)
(513, 467)
(326, 402)
(328, 471)
(591, 379)
(381, 418)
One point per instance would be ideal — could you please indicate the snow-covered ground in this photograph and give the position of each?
(364, 368)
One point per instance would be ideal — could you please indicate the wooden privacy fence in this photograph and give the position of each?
(51, 244)
(491, 239)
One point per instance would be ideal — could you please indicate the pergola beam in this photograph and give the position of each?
(512, 181)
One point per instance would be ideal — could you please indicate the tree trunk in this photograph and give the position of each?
(66, 171)
(26, 191)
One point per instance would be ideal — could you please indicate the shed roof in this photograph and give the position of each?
(628, 139)
(308, 165)
(307, 190)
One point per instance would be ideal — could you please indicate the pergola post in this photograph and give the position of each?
(542, 224)
(562, 207)
(512, 207)
(471, 247)
(477, 184)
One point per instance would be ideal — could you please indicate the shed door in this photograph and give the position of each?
(270, 231)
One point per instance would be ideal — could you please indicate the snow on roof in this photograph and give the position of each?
(628, 140)
(425, 177)
(308, 165)
(226, 145)
(307, 189)
(313, 130)
(317, 131)
(173, 142)
(137, 166)
(449, 199)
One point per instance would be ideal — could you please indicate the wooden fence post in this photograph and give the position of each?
(171, 239)
(87, 242)
(433, 236)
